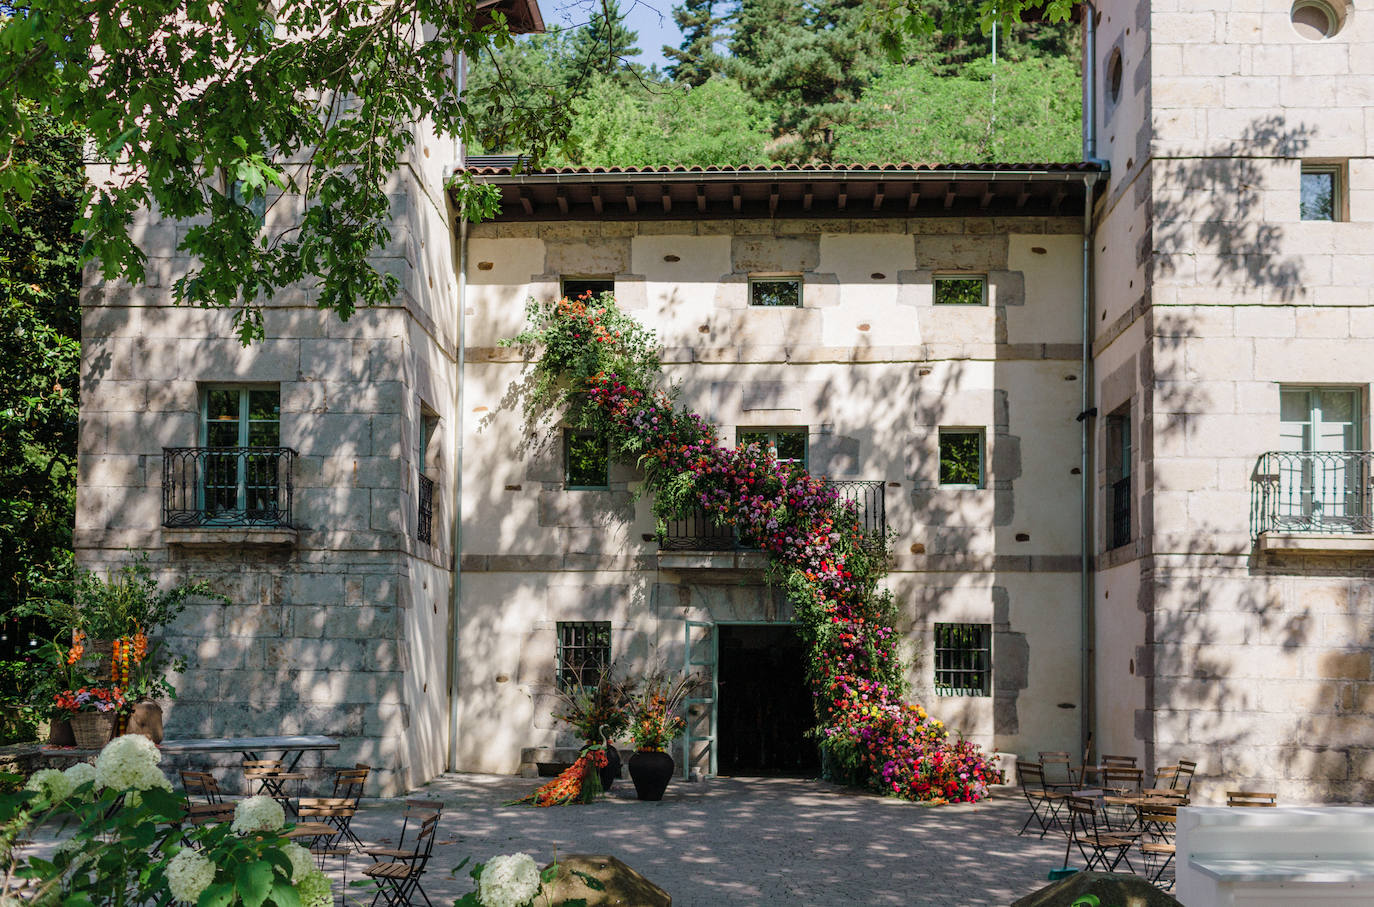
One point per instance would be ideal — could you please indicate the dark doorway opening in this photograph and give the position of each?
(764, 701)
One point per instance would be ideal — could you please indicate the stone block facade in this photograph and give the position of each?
(869, 368)
(1208, 645)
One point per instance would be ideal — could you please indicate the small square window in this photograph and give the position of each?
(787, 445)
(961, 290)
(587, 461)
(1320, 198)
(961, 457)
(775, 292)
(576, 287)
(584, 651)
(963, 659)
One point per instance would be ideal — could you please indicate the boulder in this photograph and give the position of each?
(619, 883)
(1116, 889)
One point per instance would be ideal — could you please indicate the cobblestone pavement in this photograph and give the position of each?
(745, 841)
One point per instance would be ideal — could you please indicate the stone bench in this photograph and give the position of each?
(1284, 855)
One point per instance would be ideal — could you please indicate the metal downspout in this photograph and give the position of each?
(1087, 713)
(1087, 626)
(456, 516)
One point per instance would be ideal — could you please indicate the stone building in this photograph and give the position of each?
(1133, 505)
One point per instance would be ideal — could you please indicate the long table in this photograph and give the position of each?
(290, 747)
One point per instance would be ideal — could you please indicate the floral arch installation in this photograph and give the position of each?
(598, 368)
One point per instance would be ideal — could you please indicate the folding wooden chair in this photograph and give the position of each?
(201, 784)
(398, 879)
(1044, 804)
(1251, 798)
(271, 778)
(1099, 846)
(1184, 779)
(1158, 821)
(1059, 773)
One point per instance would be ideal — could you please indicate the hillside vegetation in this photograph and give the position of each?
(777, 81)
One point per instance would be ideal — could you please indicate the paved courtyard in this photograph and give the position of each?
(746, 841)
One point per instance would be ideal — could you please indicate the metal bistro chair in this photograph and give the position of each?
(1059, 773)
(1100, 846)
(271, 778)
(1157, 821)
(1044, 803)
(203, 785)
(398, 879)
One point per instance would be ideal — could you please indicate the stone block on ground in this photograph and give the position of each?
(619, 883)
(1115, 888)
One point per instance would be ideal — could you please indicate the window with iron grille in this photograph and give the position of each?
(577, 287)
(963, 659)
(774, 292)
(1119, 477)
(584, 650)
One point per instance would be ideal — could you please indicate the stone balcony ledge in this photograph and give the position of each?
(1344, 543)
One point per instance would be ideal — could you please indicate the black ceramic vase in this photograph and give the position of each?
(650, 771)
(611, 770)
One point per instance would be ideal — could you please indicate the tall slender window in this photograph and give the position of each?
(1119, 477)
(240, 482)
(1321, 482)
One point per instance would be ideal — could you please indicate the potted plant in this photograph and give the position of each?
(654, 725)
(598, 713)
(93, 712)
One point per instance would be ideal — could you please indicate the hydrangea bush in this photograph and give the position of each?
(597, 369)
(125, 841)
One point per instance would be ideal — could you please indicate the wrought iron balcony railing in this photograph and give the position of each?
(698, 532)
(1325, 492)
(423, 525)
(227, 486)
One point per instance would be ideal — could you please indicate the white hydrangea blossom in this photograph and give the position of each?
(51, 783)
(258, 814)
(315, 890)
(511, 880)
(188, 874)
(130, 763)
(79, 773)
(302, 863)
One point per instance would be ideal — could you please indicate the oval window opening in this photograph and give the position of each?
(1114, 76)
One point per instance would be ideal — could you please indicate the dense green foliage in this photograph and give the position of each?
(758, 81)
(39, 358)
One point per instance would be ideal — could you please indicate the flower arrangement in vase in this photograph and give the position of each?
(654, 725)
(598, 712)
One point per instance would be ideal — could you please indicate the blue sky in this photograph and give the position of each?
(653, 19)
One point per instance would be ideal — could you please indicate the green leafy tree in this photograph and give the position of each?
(605, 43)
(40, 354)
(205, 110)
(532, 82)
(1026, 111)
(697, 58)
(811, 65)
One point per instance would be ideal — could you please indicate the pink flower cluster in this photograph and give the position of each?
(855, 670)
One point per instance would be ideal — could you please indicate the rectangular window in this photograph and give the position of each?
(587, 461)
(584, 651)
(961, 290)
(241, 426)
(1320, 198)
(1119, 476)
(575, 287)
(787, 445)
(963, 659)
(961, 457)
(1320, 473)
(785, 292)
